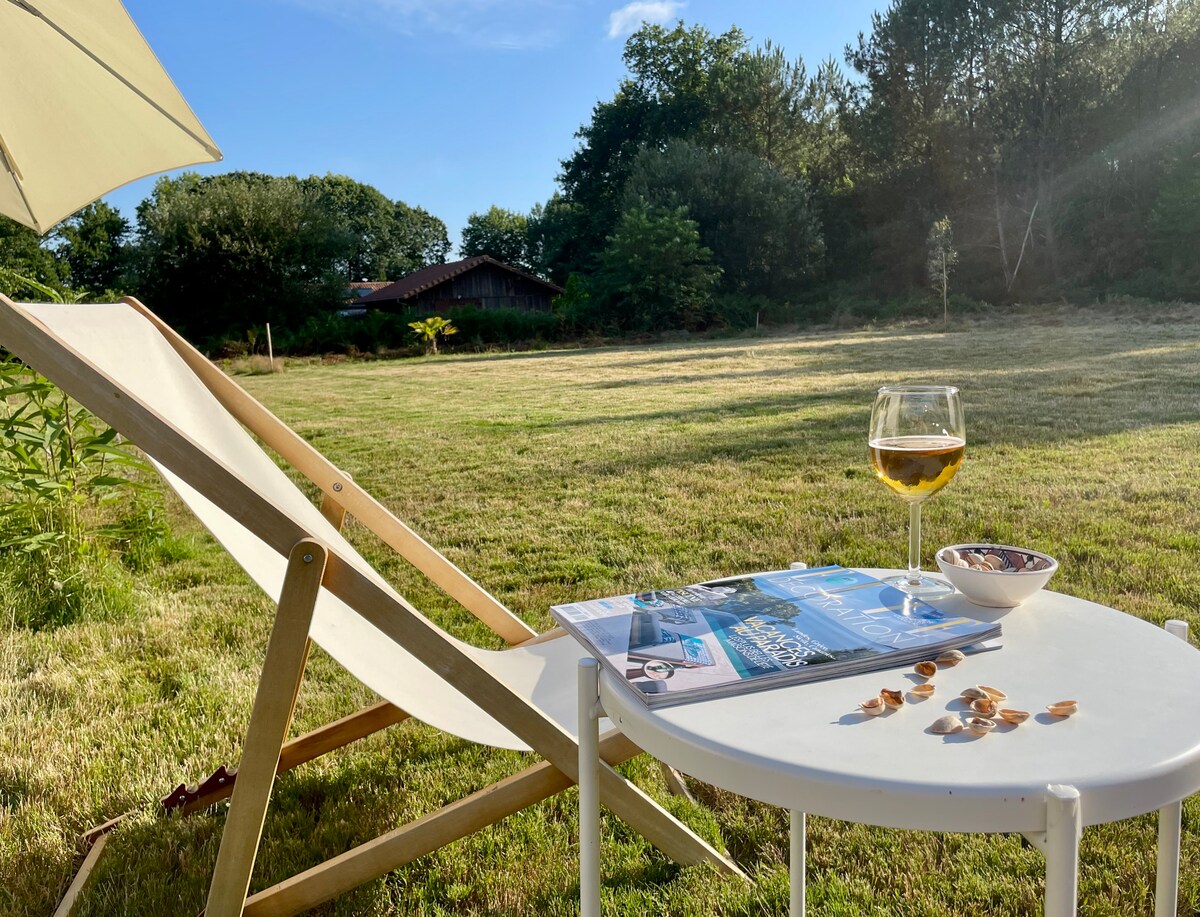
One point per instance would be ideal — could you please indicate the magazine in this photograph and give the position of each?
(761, 631)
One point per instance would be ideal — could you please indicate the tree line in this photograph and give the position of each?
(221, 254)
(996, 149)
(1033, 148)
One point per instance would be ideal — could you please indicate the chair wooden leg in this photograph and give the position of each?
(674, 781)
(269, 722)
(299, 681)
(297, 751)
(66, 907)
(657, 825)
(357, 725)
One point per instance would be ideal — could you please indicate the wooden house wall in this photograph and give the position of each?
(488, 287)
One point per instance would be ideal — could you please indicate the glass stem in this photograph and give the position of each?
(914, 543)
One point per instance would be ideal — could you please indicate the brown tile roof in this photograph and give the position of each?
(431, 276)
(371, 285)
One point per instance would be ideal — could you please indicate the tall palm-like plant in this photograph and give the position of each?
(430, 329)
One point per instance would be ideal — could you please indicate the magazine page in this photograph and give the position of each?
(761, 630)
(831, 613)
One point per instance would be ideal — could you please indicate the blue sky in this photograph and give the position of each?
(452, 105)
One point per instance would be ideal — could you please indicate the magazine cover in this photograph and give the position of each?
(762, 630)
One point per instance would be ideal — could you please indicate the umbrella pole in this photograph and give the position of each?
(6, 158)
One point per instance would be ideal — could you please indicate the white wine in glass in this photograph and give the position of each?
(917, 442)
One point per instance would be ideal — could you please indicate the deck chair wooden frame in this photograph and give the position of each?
(311, 566)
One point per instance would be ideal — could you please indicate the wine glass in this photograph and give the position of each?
(917, 441)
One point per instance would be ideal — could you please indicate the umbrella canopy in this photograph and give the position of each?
(85, 107)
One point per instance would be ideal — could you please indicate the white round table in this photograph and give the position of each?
(1133, 747)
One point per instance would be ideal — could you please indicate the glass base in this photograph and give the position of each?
(924, 587)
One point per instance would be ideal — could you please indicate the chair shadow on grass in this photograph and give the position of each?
(163, 864)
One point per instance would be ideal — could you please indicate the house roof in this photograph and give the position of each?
(371, 285)
(431, 276)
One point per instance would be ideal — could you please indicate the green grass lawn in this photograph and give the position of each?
(557, 476)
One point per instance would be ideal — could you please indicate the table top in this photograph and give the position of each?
(1133, 747)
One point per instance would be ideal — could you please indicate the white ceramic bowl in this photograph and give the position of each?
(997, 588)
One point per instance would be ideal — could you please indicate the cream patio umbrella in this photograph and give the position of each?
(85, 107)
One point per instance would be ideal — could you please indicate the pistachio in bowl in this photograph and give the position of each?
(995, 575)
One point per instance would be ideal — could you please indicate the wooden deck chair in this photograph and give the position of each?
(126, 366)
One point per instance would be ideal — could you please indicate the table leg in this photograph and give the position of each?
(796, 864)
(589, 789)
(1063, 828)
(1166, 887)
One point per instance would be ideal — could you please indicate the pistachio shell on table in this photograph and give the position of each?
(950, 658)
(975, 692)
(893, 699)
(1063, 707)
(973, 559)
(873, 706)
(921, 692)
(984, 707)
(995, 561)
(951, 556)
(1016, 717)
(945, 725)
(926, 669)
(994, 693)
(980, 726)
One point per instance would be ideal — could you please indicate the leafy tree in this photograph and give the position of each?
(422, 240)
(385, 240)
(1138, 128)
(22, 253)
(364, 216)
(558, 238)
(940, 261)
(499, 233)
(763, 101)
(1043, 128)
(92, 247)
(1047, 81)
(671, 92)
(238, 250)
(1175, 231)
(756, 221)
(920, 81)
(574, 301)
(686, 84)
(654, 273)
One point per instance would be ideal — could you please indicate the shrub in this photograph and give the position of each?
(504, 326)
(73, 504)
(737, 310)
(654, 274)
(256, 365)
(428, 331)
